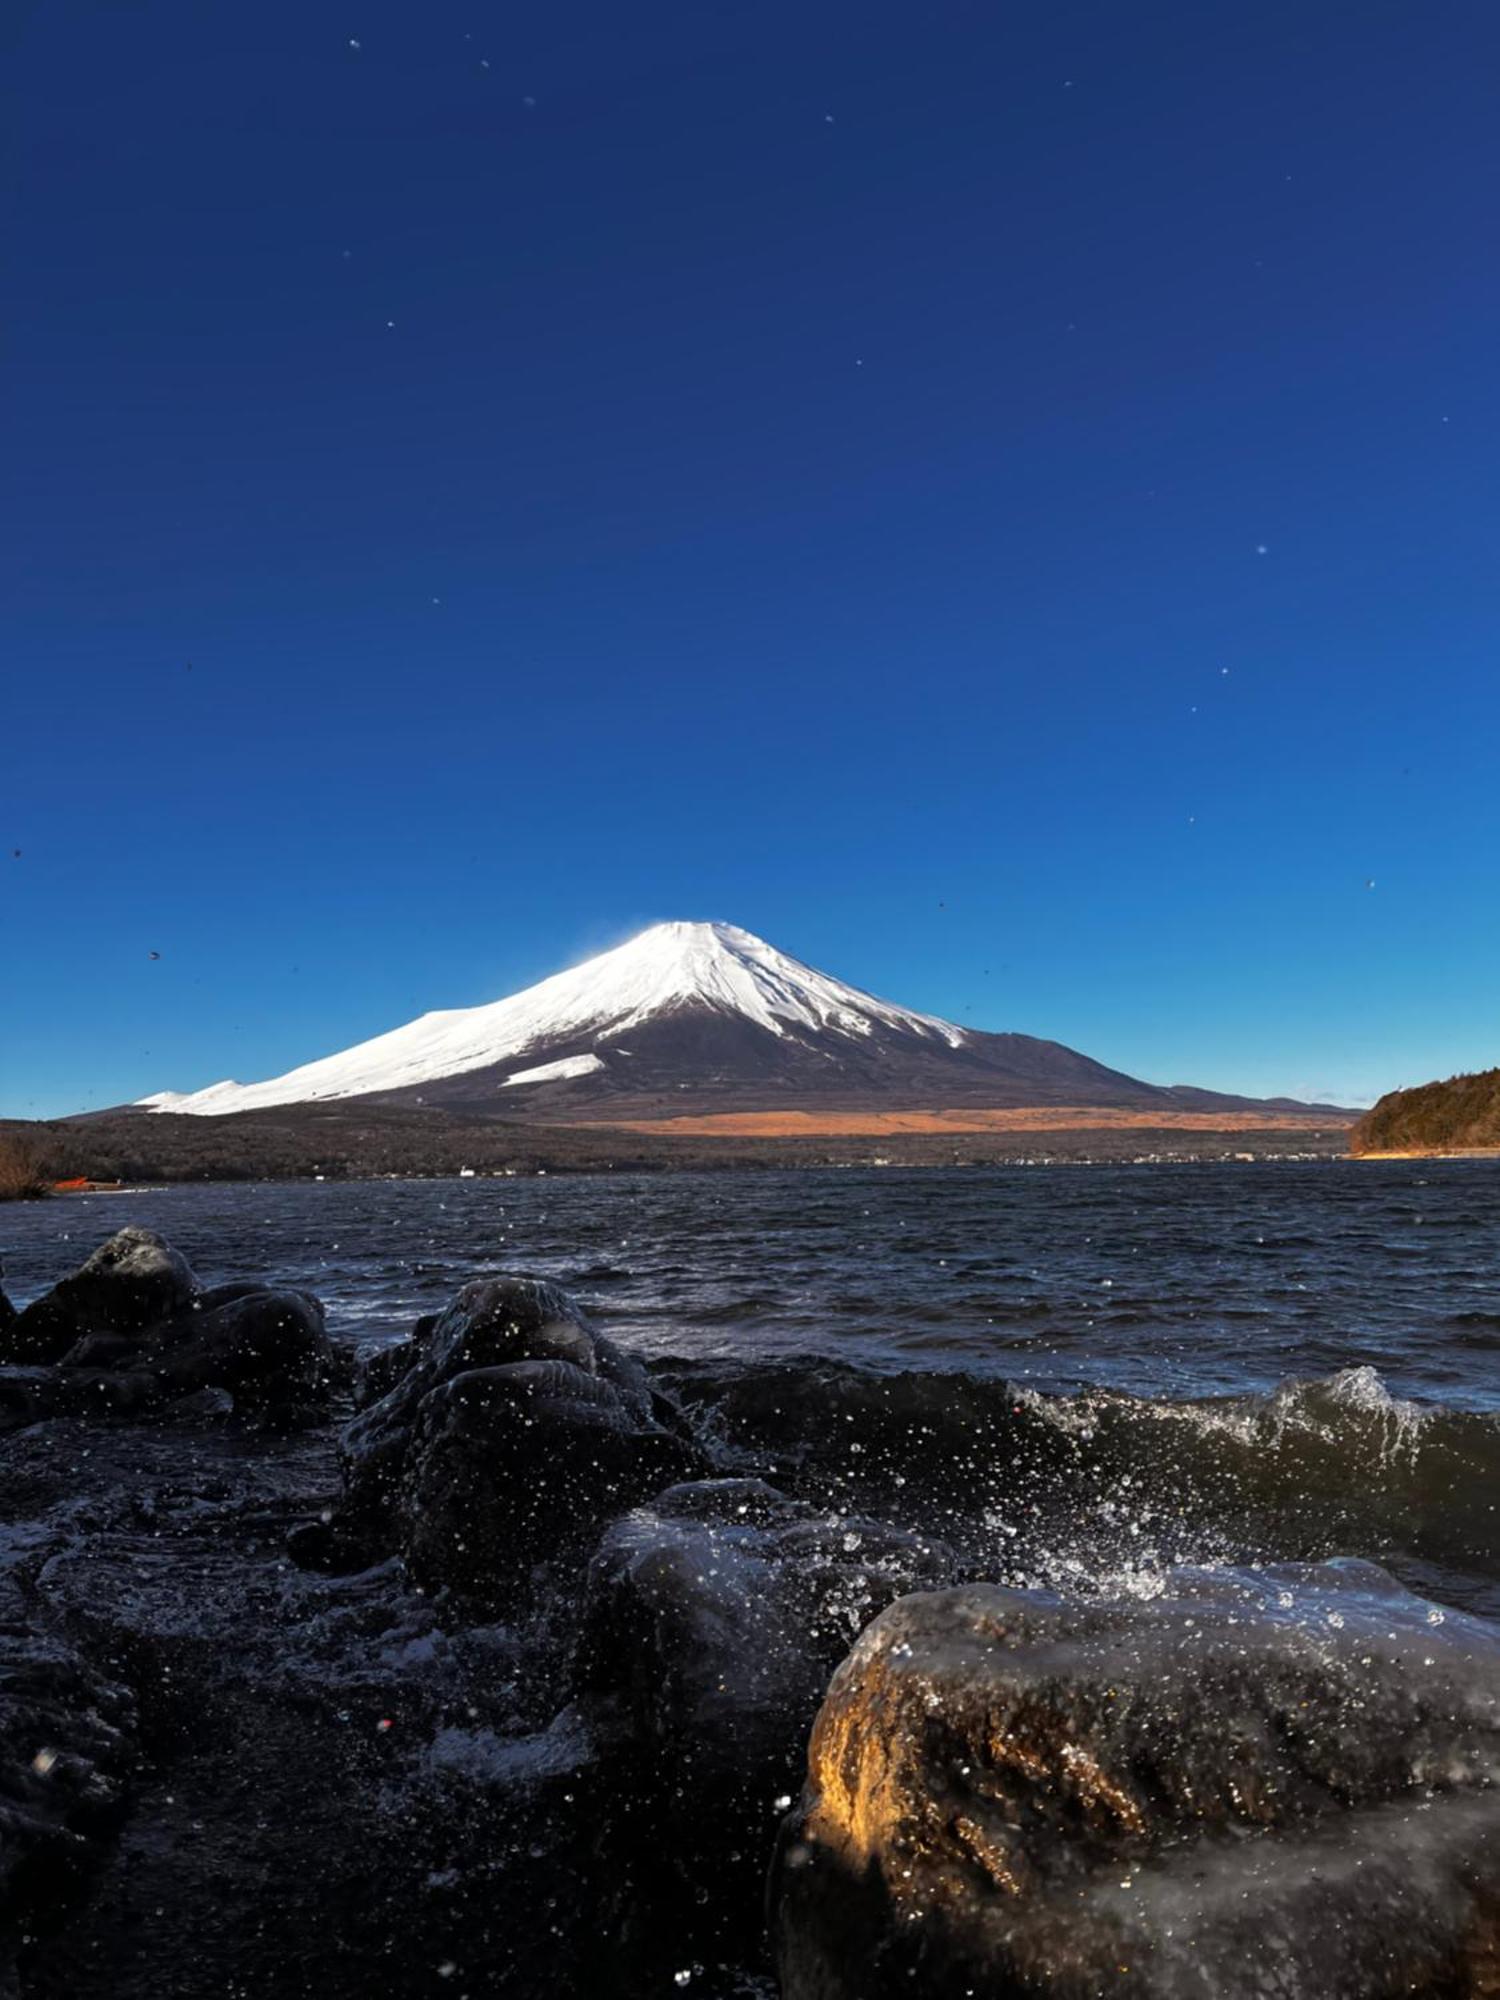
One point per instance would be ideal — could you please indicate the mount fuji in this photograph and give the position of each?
(693, 1018)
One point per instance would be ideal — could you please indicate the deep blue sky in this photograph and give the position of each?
(1000, 500)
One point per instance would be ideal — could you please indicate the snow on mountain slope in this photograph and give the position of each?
(670, 967)
(212, 1098)
(555, 1072)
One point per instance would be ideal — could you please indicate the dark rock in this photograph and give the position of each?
(508, 1440)
(26, 1395)
(133, 1331)
(340, 1794)
(491, 1323)
(264, 1345)
(268, 1349)
(118, 1348)
(518, 1465)
(264, 1351)
(714, 1615)
(128, 1283)
(712, 1620)
(67, 1749)
(1279, 1782)
(378, 1370)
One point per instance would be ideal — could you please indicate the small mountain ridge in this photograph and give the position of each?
(1460, 1114)
(695, 1017)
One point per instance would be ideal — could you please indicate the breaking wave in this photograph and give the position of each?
(1101, 1490)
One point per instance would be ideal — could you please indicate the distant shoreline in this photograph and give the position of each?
(740, 1164)
(967, 1123)
(1432, 1153)
(378, 1143)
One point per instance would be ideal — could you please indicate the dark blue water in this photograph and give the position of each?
(1163, 1281)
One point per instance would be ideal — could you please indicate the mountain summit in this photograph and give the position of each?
(692, 1017)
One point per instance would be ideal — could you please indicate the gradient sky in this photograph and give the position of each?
(1000, 500)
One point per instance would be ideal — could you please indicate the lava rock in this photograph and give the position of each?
(378, 1370)
(509, 1439)
(712, 1618)
(68, 1747)
(714, 1615)
(1270, 1782)
(130, 1282)
(268, 1348)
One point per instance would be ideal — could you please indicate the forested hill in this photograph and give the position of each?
(1460, 1115)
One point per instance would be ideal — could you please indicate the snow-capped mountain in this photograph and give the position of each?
(688, 1017)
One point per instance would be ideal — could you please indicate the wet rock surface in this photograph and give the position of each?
(1279, 1782)
(710, 1624)
(511, 1433)
(265, 1349)
(476, 1668)
(68, 1749)
(289, 1826)
(133, 1330)
(260, 1778)
(128, 1283)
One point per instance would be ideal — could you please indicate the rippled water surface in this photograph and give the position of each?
(1081, 1375)
(1163, 1281)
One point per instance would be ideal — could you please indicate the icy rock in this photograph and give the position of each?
(514, 1433)
(267, 1348)
(1218, 1793)
(712, 1619)
(265, 1351)
(378, 1370)
(67, 1750)
(715, 1614)
(128, 1283)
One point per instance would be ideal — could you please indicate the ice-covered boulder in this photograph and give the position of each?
(712, 1618)
(1272, 1782)
(515, 1431)
(714, 1615)
(132, 1331)
(68, 1746)
(133, 1280)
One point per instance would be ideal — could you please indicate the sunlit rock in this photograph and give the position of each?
(1270, 1782)
(711, 1621)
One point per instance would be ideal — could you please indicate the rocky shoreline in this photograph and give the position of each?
(486, 1664)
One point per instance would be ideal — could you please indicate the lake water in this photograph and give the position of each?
(1117, 1367)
